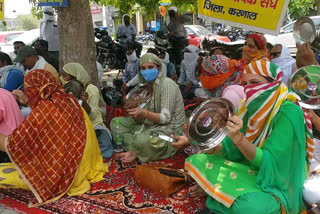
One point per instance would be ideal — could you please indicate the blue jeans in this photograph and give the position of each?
(105, 143)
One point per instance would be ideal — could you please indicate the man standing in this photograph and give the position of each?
(126, 33)
(30, 59)
(177, 32)
(41, 46)
(49, 31)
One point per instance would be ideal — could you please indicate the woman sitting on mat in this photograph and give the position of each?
(262, 165)
(163, 115)
(54, 151)
(10, 117)
(217, 73)
(92, 101)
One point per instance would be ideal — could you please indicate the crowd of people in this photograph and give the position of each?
(58, 146)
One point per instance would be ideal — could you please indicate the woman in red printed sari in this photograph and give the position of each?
(54, 151)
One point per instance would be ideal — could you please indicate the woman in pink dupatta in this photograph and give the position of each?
(10, 114)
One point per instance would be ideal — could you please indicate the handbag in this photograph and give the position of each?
(159, 179)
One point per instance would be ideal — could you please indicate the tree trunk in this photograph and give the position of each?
(77, 37)
(318, 8)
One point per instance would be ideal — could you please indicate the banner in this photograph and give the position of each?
(53, 3)
(1, 9)
(96, 9)
(264, 16)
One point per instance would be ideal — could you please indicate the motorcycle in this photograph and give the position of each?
(109, 52)
(164, 43)
(237, 34)
(146, 39)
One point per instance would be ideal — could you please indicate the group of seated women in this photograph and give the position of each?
(260, 167)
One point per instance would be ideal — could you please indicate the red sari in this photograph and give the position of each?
(48, 146)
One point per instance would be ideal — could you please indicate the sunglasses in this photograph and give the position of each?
(274, 54)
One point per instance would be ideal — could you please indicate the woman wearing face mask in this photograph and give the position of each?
(163, 115)
(188, 82)
(255, 49)
(171, 69)
(262, 165)
(131, 69)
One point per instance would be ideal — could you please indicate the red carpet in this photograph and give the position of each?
(117, 193)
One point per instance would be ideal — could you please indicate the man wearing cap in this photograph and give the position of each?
(30, 59)
(177, 32)
(49, 31)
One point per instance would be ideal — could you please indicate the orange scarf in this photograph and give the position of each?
(249, 55)
(48, 146)
(212, 82)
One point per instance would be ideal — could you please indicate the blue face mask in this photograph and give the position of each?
(150, 74)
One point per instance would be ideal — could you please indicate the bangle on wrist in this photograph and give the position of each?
(240, 141)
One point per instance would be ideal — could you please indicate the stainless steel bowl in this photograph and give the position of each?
(306, 83)
(304, 31)
(143, 92)
(207, 124)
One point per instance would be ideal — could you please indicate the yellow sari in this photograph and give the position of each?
(91, 169)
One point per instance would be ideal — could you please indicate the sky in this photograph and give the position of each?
(20, 6)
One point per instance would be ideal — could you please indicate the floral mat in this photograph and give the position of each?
(117, 193)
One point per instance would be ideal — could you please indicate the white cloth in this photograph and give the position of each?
(285, 62)
(166, 59)
(311, 190)
(40, 64)
(123, 29)
(49, 31)
(168, 17)
(21, 67)
(133, 82)
(48, 10)
(132, 57)
(200, 92)
(173, 8)
(25, 111)
(100, 71)
(189, 64)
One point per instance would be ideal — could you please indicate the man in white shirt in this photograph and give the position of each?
(126, 33)
(49, 31)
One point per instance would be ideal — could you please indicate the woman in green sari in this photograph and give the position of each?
(262, 165)
(163, 115)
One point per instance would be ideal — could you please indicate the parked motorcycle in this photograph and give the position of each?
(109, 52)
(237, 34)
(146, 39)
(165, 43)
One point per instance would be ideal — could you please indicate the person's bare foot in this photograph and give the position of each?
(128, 157)
(197, 192)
